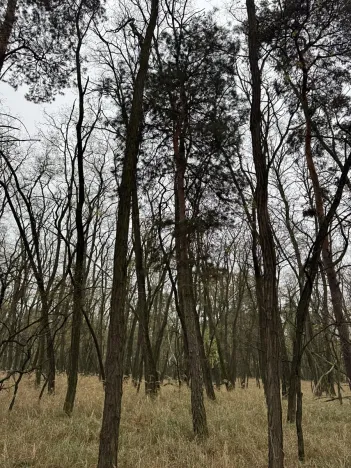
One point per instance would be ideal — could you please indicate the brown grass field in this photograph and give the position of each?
(158, 434)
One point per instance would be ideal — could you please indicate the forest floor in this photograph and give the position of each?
(158, 434)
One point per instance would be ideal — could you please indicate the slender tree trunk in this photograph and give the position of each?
(186, 298)
(151, 379)
(109, 434)
(129, 349)
(285, 363)
(79, 271)
(269, 309)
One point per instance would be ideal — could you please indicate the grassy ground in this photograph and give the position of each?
(158, 434)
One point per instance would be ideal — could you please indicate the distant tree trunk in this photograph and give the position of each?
(269, 322)
(16, 297)
(109, 434)
(329, 386)
(285, 363)
(151, 379)
(129, 349)
(205, 365)
(50, 351)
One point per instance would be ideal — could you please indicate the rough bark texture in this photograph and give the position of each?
(116, 335)
(269, 321)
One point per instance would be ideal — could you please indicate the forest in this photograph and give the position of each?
(174, 240)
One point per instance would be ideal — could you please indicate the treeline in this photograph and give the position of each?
(187, 219)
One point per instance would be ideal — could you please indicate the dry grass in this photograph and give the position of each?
(158, 434)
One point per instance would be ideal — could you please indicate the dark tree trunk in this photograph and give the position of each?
(79, 273)
(109, 434)
(151, 379)
(186, 298)
(269, 322)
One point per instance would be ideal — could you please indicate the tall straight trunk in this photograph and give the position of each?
(109, 434)
(6, 26)
(79, 273)
(186, 297)
(269, 310)
(151, 379)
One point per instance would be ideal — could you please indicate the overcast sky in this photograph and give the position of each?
(14, 102)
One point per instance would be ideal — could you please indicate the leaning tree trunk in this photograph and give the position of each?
(311, 269)
(327, 253)
(116, 335)
(269, 310)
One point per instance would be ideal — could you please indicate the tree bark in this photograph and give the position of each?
(269, 311)
(116, 335)
(186, 298)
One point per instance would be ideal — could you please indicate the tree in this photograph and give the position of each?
(116, 338)
(269, 312)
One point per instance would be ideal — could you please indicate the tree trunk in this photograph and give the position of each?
(327, 253)
(186, 298)
(151, 379)
(116, 335)
(269, 309)
(79, 272)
